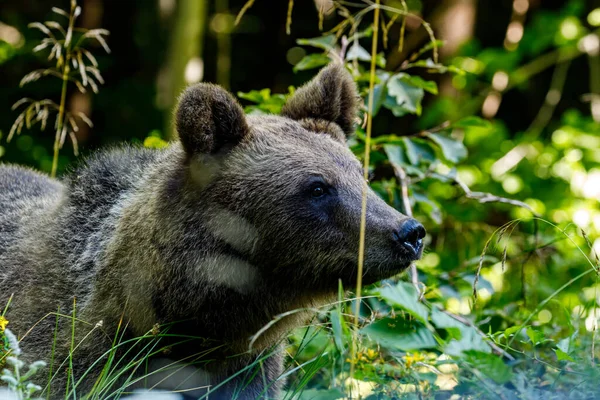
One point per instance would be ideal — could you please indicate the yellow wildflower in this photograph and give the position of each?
(413, 358)
(3, 323)
(372, 354)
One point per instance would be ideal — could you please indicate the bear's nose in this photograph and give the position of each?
(410, 234)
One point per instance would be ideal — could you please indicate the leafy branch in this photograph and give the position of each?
(72, 63)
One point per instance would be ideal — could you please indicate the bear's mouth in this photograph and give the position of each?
(397, 261)
(415, 249)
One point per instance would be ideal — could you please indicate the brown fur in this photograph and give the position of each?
(210, 238)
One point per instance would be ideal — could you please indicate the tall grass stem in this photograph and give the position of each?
(363, 214)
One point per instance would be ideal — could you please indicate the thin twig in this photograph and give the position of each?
(403, 179)
(288, 22)
(245, 8)
(490, 198)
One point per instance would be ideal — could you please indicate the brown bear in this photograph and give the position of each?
(195, 247)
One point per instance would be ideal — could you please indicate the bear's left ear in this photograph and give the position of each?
(331, 96)
(209, 119)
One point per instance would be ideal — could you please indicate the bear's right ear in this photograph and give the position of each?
(209, 119)
(331, 96)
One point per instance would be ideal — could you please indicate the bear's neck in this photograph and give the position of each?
(187, 276)
(229, 323)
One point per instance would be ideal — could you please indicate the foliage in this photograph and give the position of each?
(67, 49)
(506, 303)
(17, 380)
(436, 337)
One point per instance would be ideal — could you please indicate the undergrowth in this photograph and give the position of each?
(482, 324)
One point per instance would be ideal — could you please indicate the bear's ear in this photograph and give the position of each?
(209, 119)
(331, 96)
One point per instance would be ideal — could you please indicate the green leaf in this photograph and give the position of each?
(434, 67)
(396, 334)
(453, 150)
(153, 142)
(442, 320)
(311, 61)
(310, 342)
(511, 331)
(316, 394)
(266, 102)
(566, 344)
(379, 95)
(357, 52)
(472, 122)
(322, 42)
(403, 96)
(491, 365)
(380, 60)
(405, 296)
(428, 63)
(470, 340)
(562, 356)
(388, 139)
(338, 329)
(255, 96)
(428, 206)
(418, 151)
(396, 154)
(417, 81)
(535, 335)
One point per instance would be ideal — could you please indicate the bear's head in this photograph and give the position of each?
(285, 192)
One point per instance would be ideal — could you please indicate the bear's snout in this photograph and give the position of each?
(409, 235)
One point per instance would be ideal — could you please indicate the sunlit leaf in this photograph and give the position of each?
(380, 60)
(442, 320)
(452, 149)
(316, 394)
(434, 67)
(536, 336)
(508, 332)
(397, 335)
(405, 296)
(357, 52)
(323, 42)
(562, 356)
(256, 96)
(491, 365)
(472, 121)
(379, 95)
(406, 97)
(154, 142)
(396, 154)
(417, 81)
(338, 328)
(312, 61)
(418, 151)
(428, 206)
(470, 340)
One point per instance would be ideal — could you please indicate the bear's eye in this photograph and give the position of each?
(318, 190)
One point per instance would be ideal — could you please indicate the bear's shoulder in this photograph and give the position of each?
(17, 182)
(101, 178)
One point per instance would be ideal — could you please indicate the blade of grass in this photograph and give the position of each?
(363, 214)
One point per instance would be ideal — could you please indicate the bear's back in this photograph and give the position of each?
(22, 191)
(98, 183)
(77, 205)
